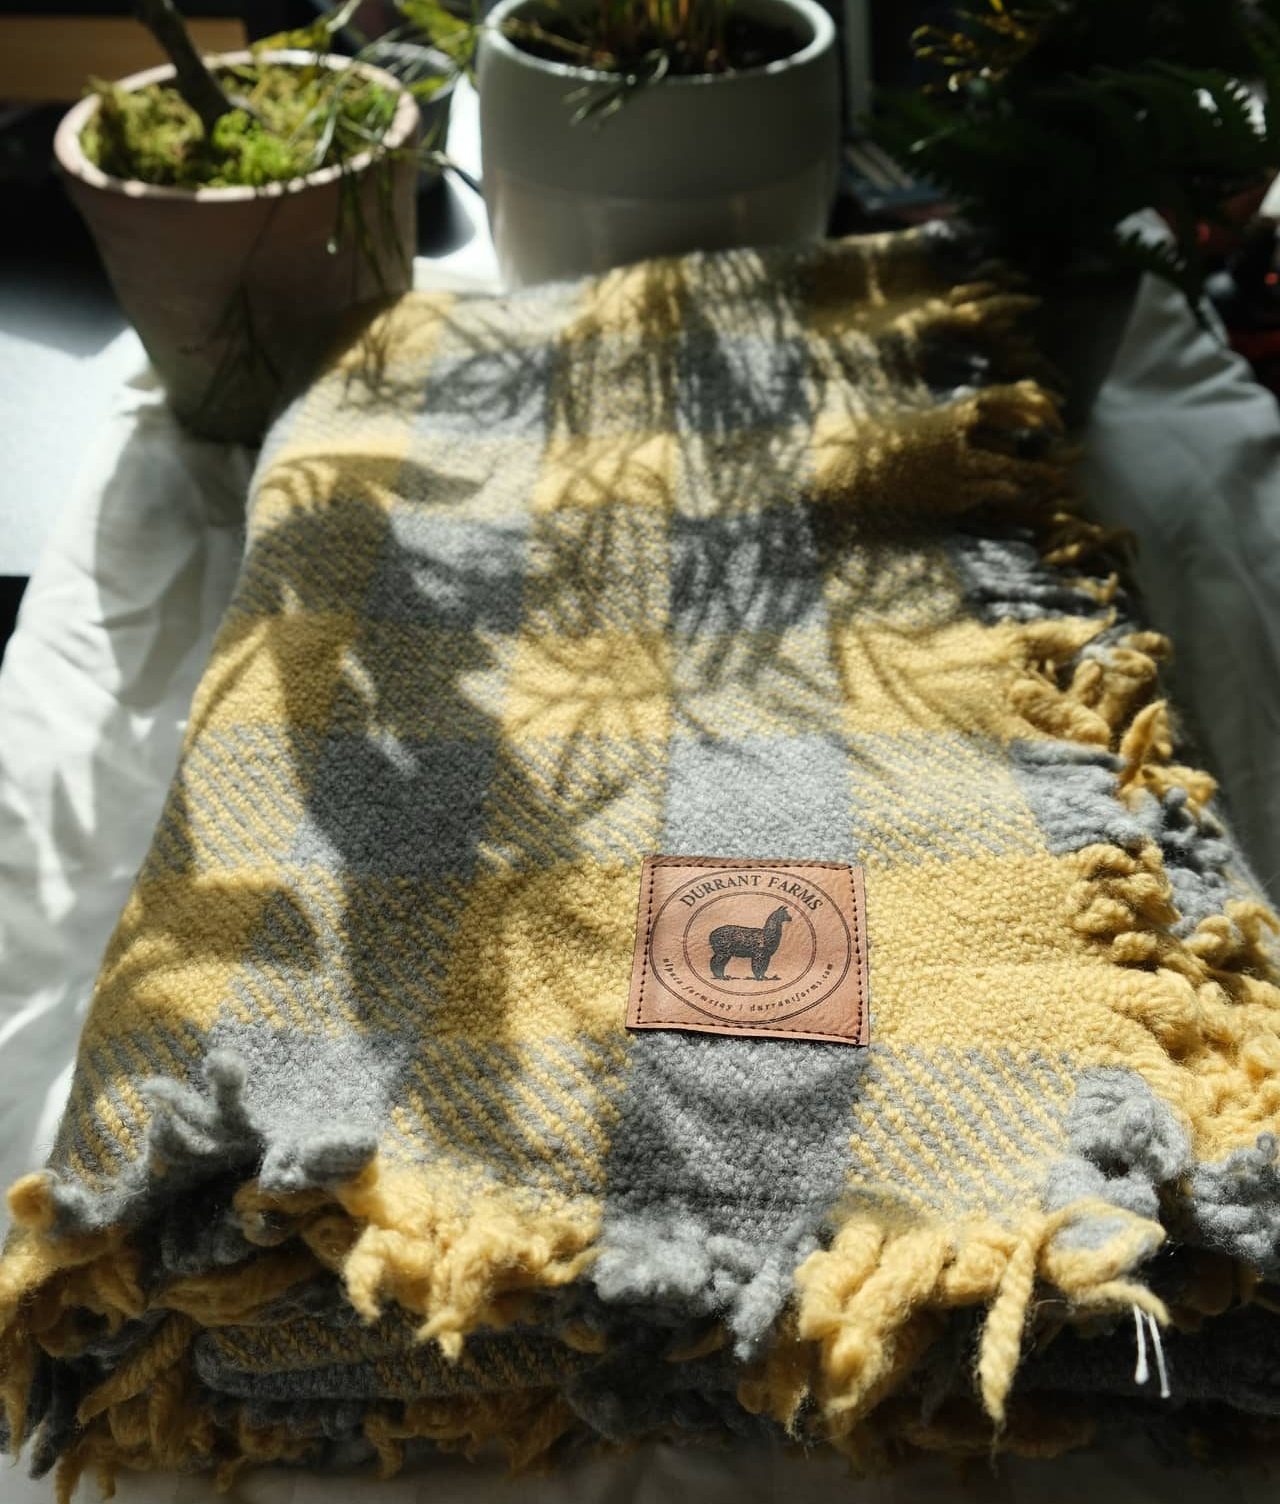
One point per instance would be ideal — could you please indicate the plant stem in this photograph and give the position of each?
(195, 83)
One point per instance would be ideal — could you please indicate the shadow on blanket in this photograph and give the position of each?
(764, 556)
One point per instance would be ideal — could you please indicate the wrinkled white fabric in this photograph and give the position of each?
(113, 634)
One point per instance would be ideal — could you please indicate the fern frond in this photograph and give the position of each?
(1164, 259)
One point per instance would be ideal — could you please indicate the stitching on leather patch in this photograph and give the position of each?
(756, 948)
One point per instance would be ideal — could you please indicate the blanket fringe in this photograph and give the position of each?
(1209, 998)
(459, 1272)
(883, 464)
(869, 1306)
(1032, 1430)
(1216, 1010)
(382, 1232)
(525, 1427)
(166, 1428)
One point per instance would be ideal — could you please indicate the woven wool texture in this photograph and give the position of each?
(746, 555)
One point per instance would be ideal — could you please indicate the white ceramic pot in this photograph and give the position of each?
(236, 292)
(691, 163)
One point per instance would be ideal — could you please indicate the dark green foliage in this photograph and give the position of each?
(452, 31)
(1051, 121)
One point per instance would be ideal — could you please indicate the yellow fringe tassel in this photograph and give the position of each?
(867, 1307)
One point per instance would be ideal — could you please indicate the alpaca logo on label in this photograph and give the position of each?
(750, 947)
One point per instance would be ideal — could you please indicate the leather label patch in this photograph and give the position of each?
(773, 950)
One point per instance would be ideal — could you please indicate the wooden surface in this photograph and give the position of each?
(45, 58)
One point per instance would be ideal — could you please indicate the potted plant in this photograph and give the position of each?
(242, 205)
(612, 130)
(431, 77)
(1049, 122)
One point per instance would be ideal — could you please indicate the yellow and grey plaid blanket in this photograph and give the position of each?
(746, 555)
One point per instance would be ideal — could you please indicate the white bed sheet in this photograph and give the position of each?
(115, 629)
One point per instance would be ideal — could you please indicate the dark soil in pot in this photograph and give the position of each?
(745, 43)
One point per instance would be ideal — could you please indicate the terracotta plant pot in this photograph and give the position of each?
(688, 163)
(236, 292)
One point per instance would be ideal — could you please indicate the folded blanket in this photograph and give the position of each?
(679, 914)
